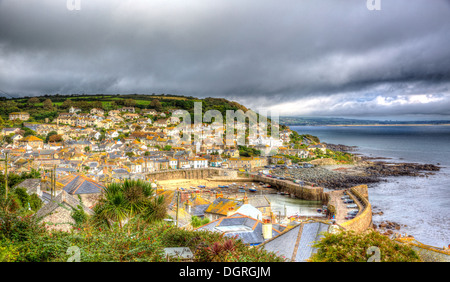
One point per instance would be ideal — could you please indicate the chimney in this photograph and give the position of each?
(230, 211)
(245, 199)
(267, 229)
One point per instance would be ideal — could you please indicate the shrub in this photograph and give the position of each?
(19, 228)
(8, 252)
(197, 222)
(352, 247)
(79, 215)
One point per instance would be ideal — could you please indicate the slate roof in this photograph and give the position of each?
(62, 199)
(296, 243)
(65, 169)
(259, 201)
(80, 184)
(120, 170)
(222, 206)
(199, 210)
(30, 184)
(45, 197)
(246, 228)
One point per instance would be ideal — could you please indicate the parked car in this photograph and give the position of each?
(352, 213)
(348, 201)
(351, 206)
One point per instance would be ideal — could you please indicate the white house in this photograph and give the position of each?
(97, 135)
(74, 110)
(112, 134)
(248, 210)
(136, 167)
(198, 162)
(173, 163)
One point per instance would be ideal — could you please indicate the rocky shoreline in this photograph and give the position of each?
(367, 170)
(364, 170)
(385, 169)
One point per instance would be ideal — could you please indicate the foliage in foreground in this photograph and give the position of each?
(24, 240)
(352, 247)
(127, 226)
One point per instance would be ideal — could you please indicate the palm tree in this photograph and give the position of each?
(128, 199)
(113, 208)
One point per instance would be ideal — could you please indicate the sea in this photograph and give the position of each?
(420, 204)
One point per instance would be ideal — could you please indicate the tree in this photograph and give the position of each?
(83, 105)
(55, 138)
(129, 199)
(8, 106)
(25, 131)
(97, 105)
(48, 105)
(51, 133)
(67, 104)
(33, 101)
(156, 104)
(129, 103)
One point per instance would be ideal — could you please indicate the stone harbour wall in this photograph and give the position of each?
(302, 192)
(364, 218)
(185, 174)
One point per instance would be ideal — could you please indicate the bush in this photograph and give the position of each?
(352, 247)
(215, 247)
(79, 216)
(138, 241)
(8, 252)
(197, 222)
(19, 228)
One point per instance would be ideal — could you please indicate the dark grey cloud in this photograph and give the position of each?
(263, 53)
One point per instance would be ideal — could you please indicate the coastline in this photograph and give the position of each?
(376, 124)
(429, 124)
(333, 175)
(368, 170)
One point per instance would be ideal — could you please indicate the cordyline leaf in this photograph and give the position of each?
(128, 199)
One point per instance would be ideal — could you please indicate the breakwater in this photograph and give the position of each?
(305, 192)
(201, 173)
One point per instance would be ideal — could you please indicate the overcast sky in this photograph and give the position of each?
(298, 57)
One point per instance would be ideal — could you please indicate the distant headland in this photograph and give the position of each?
(331, 121)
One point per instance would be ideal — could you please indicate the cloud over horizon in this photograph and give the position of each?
(321, 57)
